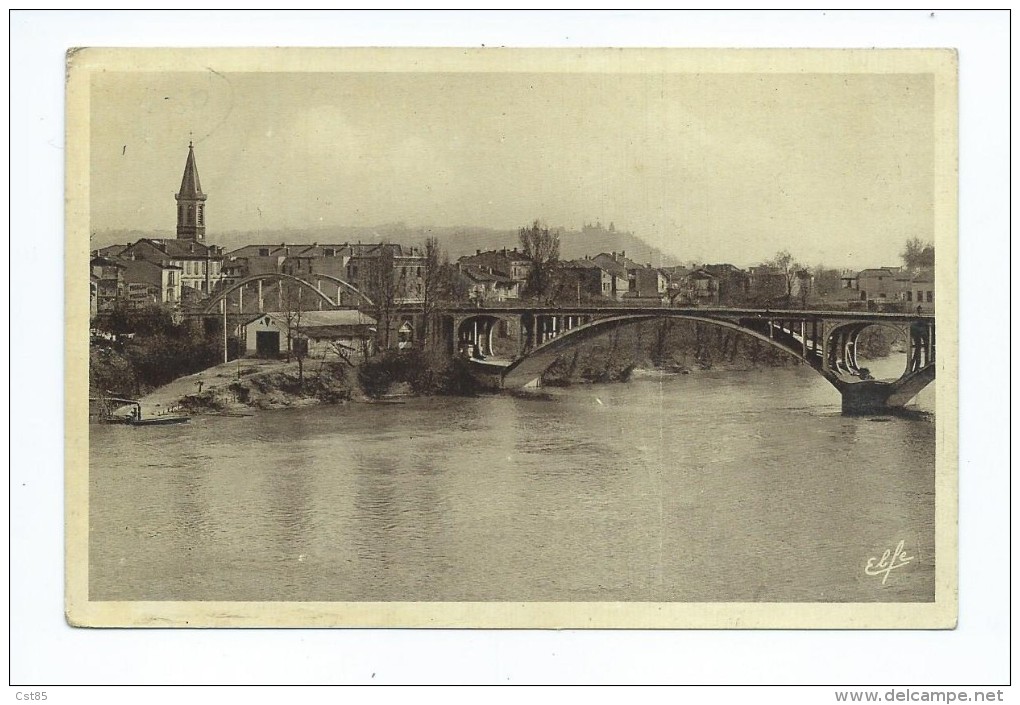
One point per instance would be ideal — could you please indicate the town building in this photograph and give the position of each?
(308, 260)
(766, 284)
(703, 287)
(509, 263)
(148, 283)
(298, 260)
(252, 260)
(200, 264)
(107, 274)
(646, 284)
(880, 284)
(615, 264)
(483, 285)
(388, 274)
(733, 283)
(920, 292)
(344, 334)
(589, 279)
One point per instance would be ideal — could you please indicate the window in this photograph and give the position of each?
(263, 252)
(329, 252)
(201, 214)
(919, 297)
(909, 295)
(931, 296)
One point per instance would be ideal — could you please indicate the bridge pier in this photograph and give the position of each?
(865, 398)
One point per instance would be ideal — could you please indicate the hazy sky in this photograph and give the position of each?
(712, 167)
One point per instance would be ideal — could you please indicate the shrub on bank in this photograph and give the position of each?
(376, 376)
(332, 383)
(426, 373)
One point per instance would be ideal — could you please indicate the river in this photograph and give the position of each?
(713, 486)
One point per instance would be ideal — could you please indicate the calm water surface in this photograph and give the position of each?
(714, 486)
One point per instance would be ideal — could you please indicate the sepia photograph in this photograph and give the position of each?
(554, 338)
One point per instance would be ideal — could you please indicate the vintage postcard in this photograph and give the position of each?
(511, 338)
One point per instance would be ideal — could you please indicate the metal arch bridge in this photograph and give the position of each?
(825, 340)
(213, 304)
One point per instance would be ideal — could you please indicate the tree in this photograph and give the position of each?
(918, 254)
(387, 284)
(297, 345)
(542, 249)
(440, 284)
(784, 262)
(827, 280)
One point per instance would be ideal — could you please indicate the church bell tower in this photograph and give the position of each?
(191, 202)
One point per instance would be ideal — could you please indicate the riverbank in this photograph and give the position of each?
(240, 386)
(256, 384)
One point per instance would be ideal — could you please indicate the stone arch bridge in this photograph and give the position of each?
(824, 340)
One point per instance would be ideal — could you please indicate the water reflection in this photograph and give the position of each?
(704, 487)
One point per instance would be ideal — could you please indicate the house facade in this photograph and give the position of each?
(879, 284)
(107, 275)
(484, 285)
(149, 283)
(509, 263)
(387, 272)
(733, 283)
(343, 334)
(615, 265)
(646, 283)
(919, 292)
(200, 265)
(590, 280)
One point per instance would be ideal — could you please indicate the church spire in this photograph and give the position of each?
(191, 202)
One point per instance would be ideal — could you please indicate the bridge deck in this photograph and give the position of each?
(777, 314)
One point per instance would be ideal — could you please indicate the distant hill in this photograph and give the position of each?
(456, 241)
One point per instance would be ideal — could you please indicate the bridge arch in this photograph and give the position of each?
(214, 302)
(848, 334)
(832, 353)
(526, 370)
(474, 335)
(482, 330)
(341, 283)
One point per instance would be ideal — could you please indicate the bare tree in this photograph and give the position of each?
(297, 345)
(433, 286)
(918, 254)
(542, 248)
(387, 284)
(784, 262)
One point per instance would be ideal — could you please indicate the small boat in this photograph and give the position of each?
(136, 418)
(158, 420)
